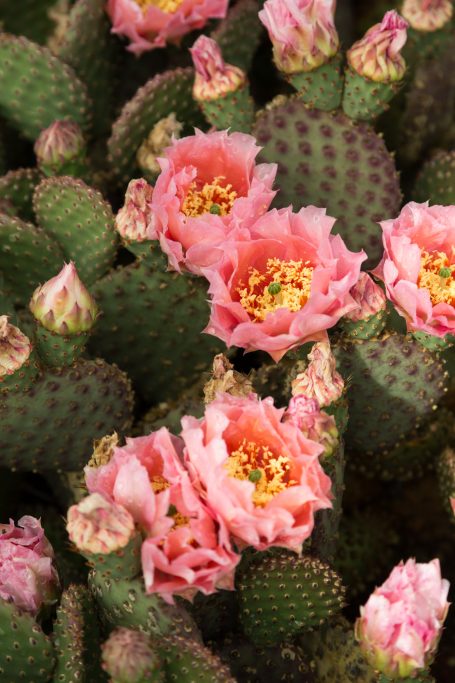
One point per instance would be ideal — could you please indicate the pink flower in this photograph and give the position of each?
(400, 625)
(427, 15)
(320, 380)
(27, 575)
(209, 186)
(377, 56)
(135, 217)
(153, 23)
(303, 33)
(187, 547)
(418, 267)
(369, 297)
(97, 526)
(260, 474)
(285, 286)
(214, 78)
(313, 422)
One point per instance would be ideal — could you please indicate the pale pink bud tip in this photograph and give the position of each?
(214, 78)
(303, 33)
(134, 221)
(27, 575)
(313, 422)
(63, 304)
(400, 625)
(369, 297)
(98, 526)
(320, 380)
(377, 56)
(15, 347)
(427, 15)
(62, 141)
(128, 657)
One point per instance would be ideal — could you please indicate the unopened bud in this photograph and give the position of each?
(427, 15)
(135, 218)
(369, 297)
(99, 527)
(214, 78)
(320, 380)
(377, 56)
(15, 348)
(315, 424)
(59, 145)
(128, 657)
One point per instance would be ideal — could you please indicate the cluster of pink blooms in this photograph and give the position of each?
(240, 476)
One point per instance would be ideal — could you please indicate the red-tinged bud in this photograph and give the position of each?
(214, 78)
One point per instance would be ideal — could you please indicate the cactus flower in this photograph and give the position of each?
(320, 380)
(187, 547)
(214, 78)
(369, 297)
(302, 32)
(63, 305)
(260, 474)
(313, 422)
(209, 186)
(135, 217)
(15, 348)
(149, 24)
(283, 287)
(128, 657)
(28, 577)
(427, 15)
(97, 526)
(59, 143)
(400, 625)
(377, 56)
(418, 267)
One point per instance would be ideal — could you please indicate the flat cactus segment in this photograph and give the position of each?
(165, 93)
(238, 35)
(27, 257)
(394, 386)
(37, 88)
(88, 48)
(436, 180)
(329, 161)
(18, 187)
(32, 21)
(187, 661)
(151, 326)
(54, 424)
(81, 221)
(26, 653)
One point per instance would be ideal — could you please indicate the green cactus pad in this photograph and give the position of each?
(81, 221)
(150, 325)
(282, 594)
(120, 564)
(436, 180)
(446, 478)
(76, 638)
(125, 603)
(364, 99)
(28, 257)
(238, 35)
(89, 49)
(395, 384)
(166, 93)
(53, 425)
(37, 88)
(188, 661)
(324, 539)
(26, 653)
(362, 330)
(32, 21)
(215, 614)
(18, 187)
(327, 160)
(234, 110)
(321, 88)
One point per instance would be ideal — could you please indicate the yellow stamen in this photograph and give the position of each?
(199, 201)
(159, 483)
(274, 470)
(259, 299)
(441, 289)
(168, 6)
(180, 520)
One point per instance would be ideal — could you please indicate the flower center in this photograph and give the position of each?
(168, 6)
(216, 197)
(285, 284)
(159, 483)
(437, 276)
(269, 473)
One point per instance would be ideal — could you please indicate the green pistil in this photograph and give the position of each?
(216, 209)
(172, 511)
(274, 288)
(255, 475)
(445, 273)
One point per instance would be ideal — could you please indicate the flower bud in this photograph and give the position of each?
(320, 380)
(400, 625)
(136, 216)
(369, 297)
(214, 78)
(427, 15)
(159, 138)
(377, 56)
(103, 450)
(63, 305)
(313, 422)
(128, 657)
(99, 527)
(226, 380)
(303, 33)
(15, 348)
(58, 145)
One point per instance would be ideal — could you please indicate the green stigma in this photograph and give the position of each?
(274, 288)
(255, 475)
(172, 511)
(216, 209)
(445, 272)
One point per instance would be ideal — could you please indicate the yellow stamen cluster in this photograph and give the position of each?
(259, 299)
(159, 483)
(168, 6)
(440, 287)
(215, 194)
(269, 472)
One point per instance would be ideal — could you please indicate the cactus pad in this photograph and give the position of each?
(238, 35)
(187, 661)
(18, 187)
(436, 180)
